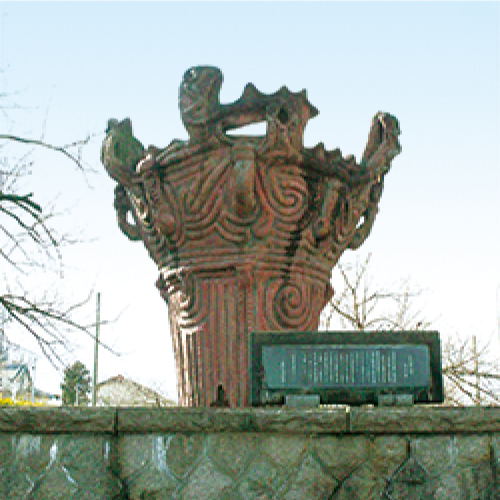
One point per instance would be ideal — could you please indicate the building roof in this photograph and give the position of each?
(148, 397)
(16, 370)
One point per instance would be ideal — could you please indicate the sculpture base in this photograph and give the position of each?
(212, 318)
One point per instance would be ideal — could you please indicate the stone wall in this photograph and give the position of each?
(249, 454)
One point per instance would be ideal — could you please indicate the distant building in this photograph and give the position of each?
(120, 391)
(17, 375)
(15, 380)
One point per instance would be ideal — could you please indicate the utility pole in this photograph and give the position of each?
(498, 314)
(97, 322)
(77, 387)
(3, 338)
(476, 370)
(33, 371)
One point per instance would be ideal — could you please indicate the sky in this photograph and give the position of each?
(69, 67)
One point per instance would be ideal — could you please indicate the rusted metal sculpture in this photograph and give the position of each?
(244, 230)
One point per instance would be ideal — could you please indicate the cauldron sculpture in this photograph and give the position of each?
(245, 230)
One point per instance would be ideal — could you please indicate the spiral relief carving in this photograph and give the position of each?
(283, 191)
(291, 306)
(288, 306)
(244, 230)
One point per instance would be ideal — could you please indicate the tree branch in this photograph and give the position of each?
(62, 149)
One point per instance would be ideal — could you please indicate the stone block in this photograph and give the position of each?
(367, 481)
(208, 420)
(58, 466)
(263, 480)
(424, 420)
(231, 452)
(207, 483)
(62, 420)
(310, 482)
(182, 452)
(294, 421)
(341, 455)
(183, 420)
(144, 465)
(458, 466)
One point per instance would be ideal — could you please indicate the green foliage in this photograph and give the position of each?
(73, 375)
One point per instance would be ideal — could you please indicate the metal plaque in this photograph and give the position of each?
(345, 367)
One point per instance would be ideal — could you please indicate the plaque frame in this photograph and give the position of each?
(262, 396)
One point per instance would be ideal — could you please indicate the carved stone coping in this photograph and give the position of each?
(61, 420)
(121, 421)
(422, 420)
(233, 420)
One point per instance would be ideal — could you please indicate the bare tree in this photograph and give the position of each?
(360, 307)
(29, 241)
(470, 372)
(470, 376)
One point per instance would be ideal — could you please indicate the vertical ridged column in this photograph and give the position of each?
(211, 329)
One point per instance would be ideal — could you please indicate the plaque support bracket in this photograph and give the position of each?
(302, 400)
(313, 400)
(395, 400)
